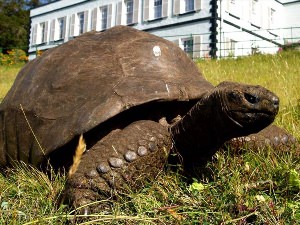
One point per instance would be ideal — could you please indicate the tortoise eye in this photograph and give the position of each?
(251, 98)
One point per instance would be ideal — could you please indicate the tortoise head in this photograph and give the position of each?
(250, 107)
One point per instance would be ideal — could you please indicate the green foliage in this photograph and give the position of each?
(253, 187)
(14, 56)
(15, 23)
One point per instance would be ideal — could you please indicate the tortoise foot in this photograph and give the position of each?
(119, 163)
(272, 136)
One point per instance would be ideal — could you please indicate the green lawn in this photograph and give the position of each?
(256, 187)
(7, 76)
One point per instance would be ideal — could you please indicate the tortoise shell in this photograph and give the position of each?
(72, 88)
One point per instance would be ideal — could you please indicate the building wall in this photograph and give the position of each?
(250, 26)
(243, 26)
(173, 21)
(291, 31)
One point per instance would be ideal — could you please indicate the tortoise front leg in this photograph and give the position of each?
(272, 136)
(121, 161)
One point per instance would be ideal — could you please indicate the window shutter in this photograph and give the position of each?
(135, 11)
(146, 10)
(46, 32)
(197, 5)
(176, 7)
(165, 8)
(196, 46)
(34, 33)
(109, 13)
(85, 22)
(52, 30)
(119, 13)
(72, 25)
(94, 19)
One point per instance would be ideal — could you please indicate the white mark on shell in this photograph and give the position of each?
(156, 51)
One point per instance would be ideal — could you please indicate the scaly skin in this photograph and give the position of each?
(230, 110)
(272, 136)
(122, 161)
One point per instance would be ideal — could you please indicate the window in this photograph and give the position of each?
(129, 12)
(61, 28)
(157, 9)
(187, 44)
(104, 15)
(43, 30)
(80, 22)
(189, 5)
(186, 6)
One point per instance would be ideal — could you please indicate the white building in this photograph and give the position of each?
(202, 28)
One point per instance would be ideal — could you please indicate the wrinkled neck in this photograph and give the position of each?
(202, 131)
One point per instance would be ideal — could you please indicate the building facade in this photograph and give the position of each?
(202, 28)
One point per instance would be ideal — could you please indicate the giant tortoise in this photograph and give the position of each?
(134, 97)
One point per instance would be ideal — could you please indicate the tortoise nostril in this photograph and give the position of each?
(251, 98)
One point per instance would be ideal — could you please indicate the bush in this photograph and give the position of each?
(12, 57)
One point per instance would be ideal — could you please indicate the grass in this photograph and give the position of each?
(256, 187)
(7, 76)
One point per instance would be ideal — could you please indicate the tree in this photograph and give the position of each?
(15, 23)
